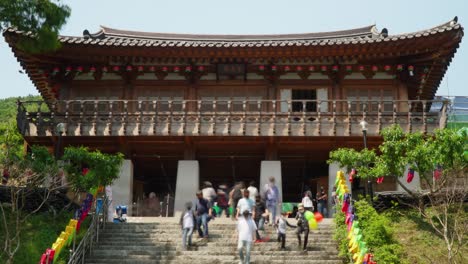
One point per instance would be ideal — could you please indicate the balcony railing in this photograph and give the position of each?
(227, 117)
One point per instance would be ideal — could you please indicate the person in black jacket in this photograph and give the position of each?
(302, 226)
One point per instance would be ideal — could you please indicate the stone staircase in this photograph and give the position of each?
(158, 240)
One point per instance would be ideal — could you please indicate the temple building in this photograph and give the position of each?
(188, 108)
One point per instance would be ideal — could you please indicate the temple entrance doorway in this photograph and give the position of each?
(154, 185)
(230, 169)
(300, 174)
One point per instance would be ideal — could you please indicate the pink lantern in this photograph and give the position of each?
(116, 68)
(375, 68)
(165, 69)
(335, 68)
(176, 69)
(387, 68)
(323, 68)
(201, 68)
(298, 68)
(152, 69)
(129, 68)
(140, 68)
(92, 69)
(79, 69)
(349, 68)
(399, 67)
(188, 69)
(274, 68)
(287, 68)
(261, 68)
(311, 68)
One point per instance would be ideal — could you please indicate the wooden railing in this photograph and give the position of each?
(226, 117)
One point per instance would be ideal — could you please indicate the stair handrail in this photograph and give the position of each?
(98, 222)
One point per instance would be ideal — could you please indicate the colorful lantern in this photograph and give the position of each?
(380, 180)
(323, 68)
(176, 69)
(68, 69)
(361, 68)
(129, 68)
(349, 68)
(79, 69)
(105, 69)
(352, 174)
(335, 68)
(287, 68)
(311, 68)
(153, 69)
(375, 68)
(261, 68)
(399, 67)
(411, 68)
(274, 68)
(188, 69)
(116, 68)
(165, 69)
(55, 70)
(140, 68)
(410, 176)
(92, 69)
(299, 68)
(387, 68)
(201, 68)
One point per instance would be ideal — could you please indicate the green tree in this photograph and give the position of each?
(43, 18)
(423, 153)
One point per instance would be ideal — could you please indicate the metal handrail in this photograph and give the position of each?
(98, 222)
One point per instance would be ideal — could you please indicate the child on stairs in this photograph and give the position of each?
(280, 225)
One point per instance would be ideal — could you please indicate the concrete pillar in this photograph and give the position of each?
(333, 168)
(272, 169)
(413, 185)
(122, 187)
(188, 177)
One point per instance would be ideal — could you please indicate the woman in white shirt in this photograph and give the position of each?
(307, 201)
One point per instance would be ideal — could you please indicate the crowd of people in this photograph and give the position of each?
(252, 209)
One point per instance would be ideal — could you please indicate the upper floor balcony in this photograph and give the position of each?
(227, 117)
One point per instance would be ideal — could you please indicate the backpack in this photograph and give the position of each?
(237, 194)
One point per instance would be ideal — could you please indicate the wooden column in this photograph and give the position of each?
(189, 149)
(271, 150)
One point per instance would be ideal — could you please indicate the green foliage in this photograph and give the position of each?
(350, 158)
(422, 152)
(43, 18)
(88, 169)
(376, 232)
(340, 235)
(40, 232)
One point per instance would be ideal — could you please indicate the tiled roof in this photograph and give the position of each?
(115, 37)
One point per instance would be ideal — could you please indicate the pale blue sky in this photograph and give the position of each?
(254, 17)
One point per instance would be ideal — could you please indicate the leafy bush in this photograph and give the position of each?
(376, 232)
(88, 169)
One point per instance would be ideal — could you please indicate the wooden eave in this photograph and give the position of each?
(434, 48)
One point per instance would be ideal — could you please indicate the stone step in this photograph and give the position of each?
(228, 253)
(263, 247)
(124, 243)
(253, 260)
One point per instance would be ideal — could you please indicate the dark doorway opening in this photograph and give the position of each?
(229, 169)
(300, 174)
(154, 179)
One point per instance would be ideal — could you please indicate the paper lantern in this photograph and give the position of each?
(349, 68)
(152, 69)
(188, 69)
(261, 68)
(116, 68)
(361, 68)
(335, 68)
(299, 68)
(287, 68)
(375, 68)
(399, 67)
(410, 176)
(201, 68)
(176, 69)
(323, 68)
(311, 68)
(274, 68)
(140, 68)
(129, 68)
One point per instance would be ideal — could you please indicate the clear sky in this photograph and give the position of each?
(254, 17)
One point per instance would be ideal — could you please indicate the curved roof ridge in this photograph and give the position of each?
(111, 32)
(452, 24)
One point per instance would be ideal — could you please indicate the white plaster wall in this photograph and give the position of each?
(188, 177)
(122, 187)
(272, 169)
